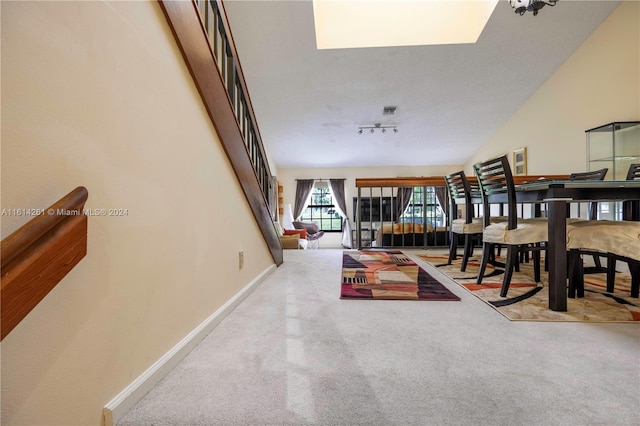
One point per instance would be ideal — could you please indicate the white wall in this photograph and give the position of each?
(287, 178)
(598, 84)
(97, 94)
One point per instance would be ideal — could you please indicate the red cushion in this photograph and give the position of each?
(302, 232)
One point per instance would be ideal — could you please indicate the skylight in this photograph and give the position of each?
(342, 24)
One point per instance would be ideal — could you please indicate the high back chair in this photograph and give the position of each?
(469, 226)
(593, 206)
(631, 208)
(613, 239)
(593, 175)
(495, 179)
(634, 172)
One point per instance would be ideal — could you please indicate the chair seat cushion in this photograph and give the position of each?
(528, 231)
(498, 219)
(612, 236)
(475, 227)
(460, 227)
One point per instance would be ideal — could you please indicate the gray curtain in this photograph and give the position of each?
(441, 195)
(336, 186)
(303, 189)
(404, 199)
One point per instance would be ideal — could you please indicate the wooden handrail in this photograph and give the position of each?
(439, 180)
(39, 254)
(400, 182)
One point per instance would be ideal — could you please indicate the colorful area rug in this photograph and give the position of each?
(388, 275)
(529, 301)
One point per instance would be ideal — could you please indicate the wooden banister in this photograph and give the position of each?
(214, 76)
(439, 180)
(39, 254)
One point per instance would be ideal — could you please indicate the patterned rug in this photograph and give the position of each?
(529, 301)
(388, 275)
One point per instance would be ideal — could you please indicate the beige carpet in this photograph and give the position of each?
(529, 301)
(292, 353)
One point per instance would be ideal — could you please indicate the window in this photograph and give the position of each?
(424, 198)
(322, 210)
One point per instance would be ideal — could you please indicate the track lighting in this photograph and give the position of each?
(377, 126)
(523, 6)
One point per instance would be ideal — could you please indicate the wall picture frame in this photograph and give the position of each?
(520, 161)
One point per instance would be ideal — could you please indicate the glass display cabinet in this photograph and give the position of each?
(615, 146)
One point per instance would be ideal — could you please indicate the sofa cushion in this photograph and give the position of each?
(290, 241)
(301, 232)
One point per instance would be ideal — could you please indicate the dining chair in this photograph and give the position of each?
(593, 175)
(593, 206)
(469, 226)
(615, 240)
(495, 179)
(634, 172)
(629, 207)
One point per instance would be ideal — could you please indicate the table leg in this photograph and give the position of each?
(557, 253)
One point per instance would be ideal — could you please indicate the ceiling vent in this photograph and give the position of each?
(389, 110)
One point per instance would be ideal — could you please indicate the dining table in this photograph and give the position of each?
(557, 194)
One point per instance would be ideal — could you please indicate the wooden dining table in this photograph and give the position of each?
(557, 194)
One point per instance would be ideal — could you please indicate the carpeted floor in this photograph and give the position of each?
(529, 301)
(292, 353)
(388, 275)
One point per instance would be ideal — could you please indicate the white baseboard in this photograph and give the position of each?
(125, 400)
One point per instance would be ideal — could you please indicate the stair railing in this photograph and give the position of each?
(202, 32)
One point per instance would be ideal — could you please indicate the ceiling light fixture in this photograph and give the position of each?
(523, 6)
(377, 126)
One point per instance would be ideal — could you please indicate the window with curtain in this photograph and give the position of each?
(424, 198)
(321, 209)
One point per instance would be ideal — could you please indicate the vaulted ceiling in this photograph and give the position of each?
(450, 99)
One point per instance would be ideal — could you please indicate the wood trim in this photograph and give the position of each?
(400, 182)
(519, 180)
(184, 20)
(439, 181)
(39, 254)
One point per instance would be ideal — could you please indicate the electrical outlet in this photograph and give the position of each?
(241, 259)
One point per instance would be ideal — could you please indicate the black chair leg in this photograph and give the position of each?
(597, 263)
(576, 274)
(611, 274)
(519, 258)
(486, 251)
(468, 251)
(571, 271)
(634, 268)
(536, 264)
(453, 248)
(580, 272)
(510, 264)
